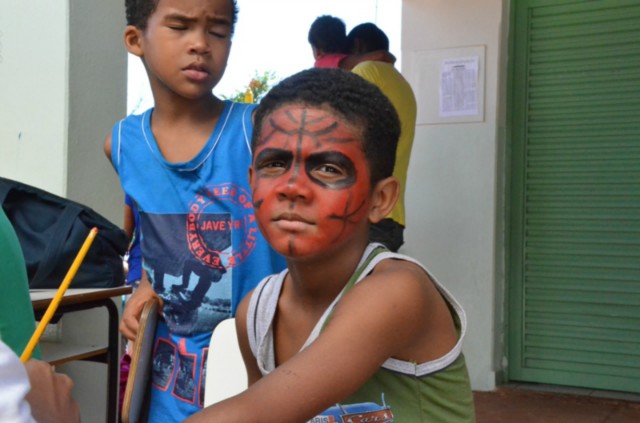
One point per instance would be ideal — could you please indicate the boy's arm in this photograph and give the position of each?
(253, 372)
(352, 60)
(107, 146)
(130, 321)
(384, 316)
(129, 224)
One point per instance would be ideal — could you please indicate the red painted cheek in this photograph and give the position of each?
(261, 191)
(360, 189)
(267, 205)
(336, 208)
(341, 216)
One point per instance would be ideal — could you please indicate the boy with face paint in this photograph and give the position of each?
(350, 331)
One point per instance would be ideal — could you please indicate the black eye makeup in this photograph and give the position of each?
(331, 170)
(273, 161)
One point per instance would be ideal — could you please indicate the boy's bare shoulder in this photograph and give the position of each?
(399, 282)
(400, 301)
(394, 304)
(400, 272)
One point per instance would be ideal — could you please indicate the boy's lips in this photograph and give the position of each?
(196, 71)
(291, 221)
(293, 217)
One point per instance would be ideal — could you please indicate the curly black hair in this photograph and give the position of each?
(328, 34)
(139, 11)
(371, 38)
(358, 101)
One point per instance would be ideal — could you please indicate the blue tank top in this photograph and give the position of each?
(201, 246)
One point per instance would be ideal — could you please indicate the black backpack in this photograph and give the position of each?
(52, 229)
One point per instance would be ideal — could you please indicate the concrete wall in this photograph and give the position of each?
(454, 190)
(97, 99)
(62, 86)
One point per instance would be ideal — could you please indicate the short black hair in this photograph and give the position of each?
(328, 34)
(358, 101)
(139, 11)
(371, 38)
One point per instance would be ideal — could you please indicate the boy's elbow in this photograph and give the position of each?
(107, 147)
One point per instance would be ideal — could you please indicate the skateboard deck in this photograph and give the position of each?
(136, 396)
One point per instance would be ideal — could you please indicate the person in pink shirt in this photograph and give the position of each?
(328, 39)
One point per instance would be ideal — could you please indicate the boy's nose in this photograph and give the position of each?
(295, 188)
(199, 43)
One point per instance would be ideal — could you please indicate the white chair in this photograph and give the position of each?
(226, 375)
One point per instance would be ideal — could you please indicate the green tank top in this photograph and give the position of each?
(17, 322)
(437, 391)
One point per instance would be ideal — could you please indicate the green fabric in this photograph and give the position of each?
(443, 396)
(17, 322)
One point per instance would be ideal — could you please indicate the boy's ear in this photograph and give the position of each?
(385, 195)
(133, 40)
(315, 52)
(250, 175)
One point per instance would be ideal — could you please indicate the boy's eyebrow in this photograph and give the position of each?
(270, 153)
(220, 20)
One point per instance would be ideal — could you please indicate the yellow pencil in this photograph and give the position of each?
(53, 306)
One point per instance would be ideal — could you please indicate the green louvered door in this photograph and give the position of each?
(574, 249)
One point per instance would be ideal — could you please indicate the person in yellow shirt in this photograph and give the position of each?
(365, 38)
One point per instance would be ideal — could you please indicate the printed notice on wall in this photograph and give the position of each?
(459, 87)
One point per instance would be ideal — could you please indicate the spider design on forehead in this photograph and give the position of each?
(297, 126)
(320, 127)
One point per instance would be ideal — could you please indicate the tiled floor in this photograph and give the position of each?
(547, 404)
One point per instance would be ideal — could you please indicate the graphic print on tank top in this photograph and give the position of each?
(191, 266)
(356, 413)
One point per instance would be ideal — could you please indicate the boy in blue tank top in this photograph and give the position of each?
(349, 332)
(184, 164)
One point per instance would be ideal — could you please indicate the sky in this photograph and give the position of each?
(271, 35)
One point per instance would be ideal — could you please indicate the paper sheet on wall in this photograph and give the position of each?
(459, 87)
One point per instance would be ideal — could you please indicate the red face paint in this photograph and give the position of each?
(311, 187)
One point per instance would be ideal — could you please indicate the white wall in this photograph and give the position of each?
(33, 93)
(454, 192)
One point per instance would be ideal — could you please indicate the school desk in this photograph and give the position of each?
(57, 353)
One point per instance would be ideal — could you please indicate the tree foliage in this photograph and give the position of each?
(258, 87)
